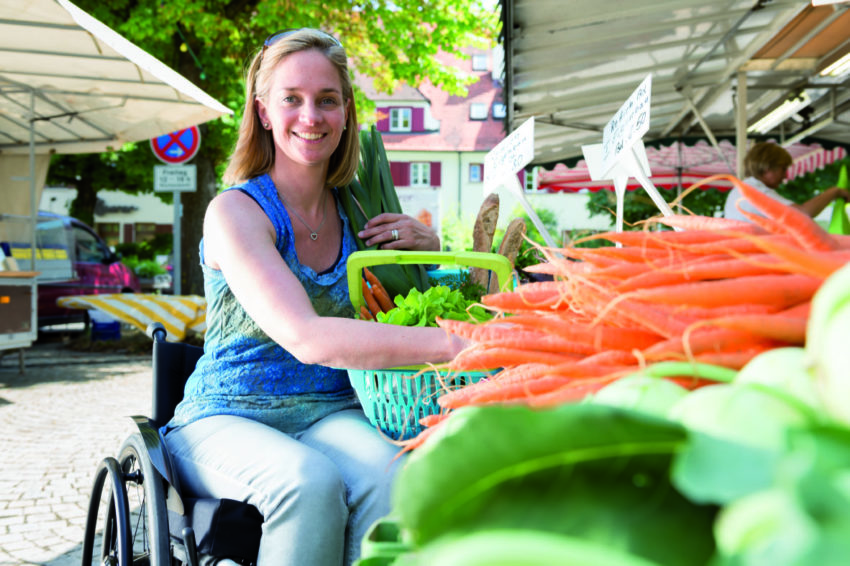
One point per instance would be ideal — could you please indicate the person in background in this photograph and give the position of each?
(267, 417)
(766, 165)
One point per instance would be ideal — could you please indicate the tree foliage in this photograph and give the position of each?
(210, 42)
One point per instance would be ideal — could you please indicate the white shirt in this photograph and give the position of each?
(735, 196)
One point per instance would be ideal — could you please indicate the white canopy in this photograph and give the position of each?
(572, 65)
(69, 84)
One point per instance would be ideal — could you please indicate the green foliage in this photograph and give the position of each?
(456, 231)
(588, 471)
(422, 309)
(806, 186)
(529, 254)
(143, 267)
(638, 206)
(462, 281)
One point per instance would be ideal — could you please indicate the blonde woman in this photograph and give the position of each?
(267, 418)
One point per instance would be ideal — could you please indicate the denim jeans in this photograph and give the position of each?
(318, 489)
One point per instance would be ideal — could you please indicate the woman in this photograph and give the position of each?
(266, 418)
(765, 166)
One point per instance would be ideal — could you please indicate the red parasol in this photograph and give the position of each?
(681, 165)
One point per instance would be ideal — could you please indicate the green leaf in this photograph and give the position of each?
(517, 547)
(589, 471)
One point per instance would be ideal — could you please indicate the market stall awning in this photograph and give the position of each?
(179, 314)
(571, 65)
(77, 86)
(681, 164)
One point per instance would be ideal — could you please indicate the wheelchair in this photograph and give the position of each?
(137, 513)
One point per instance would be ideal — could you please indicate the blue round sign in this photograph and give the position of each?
(177, 147)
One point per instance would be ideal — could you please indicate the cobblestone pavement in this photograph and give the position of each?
(58, 420)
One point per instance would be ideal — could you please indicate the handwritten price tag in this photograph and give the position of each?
(627, 126)
(509, 156)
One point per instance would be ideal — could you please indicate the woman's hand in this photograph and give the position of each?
(399, 232)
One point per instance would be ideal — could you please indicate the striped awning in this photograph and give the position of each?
(179, 314)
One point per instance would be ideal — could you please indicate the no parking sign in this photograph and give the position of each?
(177, 147)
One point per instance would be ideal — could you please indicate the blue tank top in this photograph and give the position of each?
(242, 370)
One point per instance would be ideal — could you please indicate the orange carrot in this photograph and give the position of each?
(796, 223)
(790, 329)
(365, 314)
(783, 290)
(371, 303)
(381, 296)
(710, 223)
(496, 357)
(722, 269)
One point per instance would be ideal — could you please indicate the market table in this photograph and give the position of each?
(178, 313)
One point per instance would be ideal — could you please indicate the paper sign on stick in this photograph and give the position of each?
(502, 163)
(627, 126)
(621, 154)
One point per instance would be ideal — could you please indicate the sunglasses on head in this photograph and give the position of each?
(278, 35)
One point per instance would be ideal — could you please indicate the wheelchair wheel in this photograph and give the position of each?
(142, 537)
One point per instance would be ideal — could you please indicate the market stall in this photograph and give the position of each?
(117, 93)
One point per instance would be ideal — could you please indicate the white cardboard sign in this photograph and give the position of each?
(627, 126)
(501, 165)
(509, 156)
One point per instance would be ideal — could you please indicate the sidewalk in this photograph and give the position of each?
(58, 420)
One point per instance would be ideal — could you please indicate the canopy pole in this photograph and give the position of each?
(741, 123)
(33, 204)
(709, 134)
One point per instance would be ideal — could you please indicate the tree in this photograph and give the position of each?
(210, 42)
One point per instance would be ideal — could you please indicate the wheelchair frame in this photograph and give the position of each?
(144, 490)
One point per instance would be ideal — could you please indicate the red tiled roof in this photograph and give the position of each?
(457, 132)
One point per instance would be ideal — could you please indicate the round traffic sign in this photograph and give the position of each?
(177, 147)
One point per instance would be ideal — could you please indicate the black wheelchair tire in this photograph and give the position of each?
(149, 521)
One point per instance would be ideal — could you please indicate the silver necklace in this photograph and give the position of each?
(314, 234)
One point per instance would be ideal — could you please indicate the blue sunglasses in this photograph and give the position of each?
(278, 35)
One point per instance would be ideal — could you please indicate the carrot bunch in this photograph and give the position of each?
(375, 296)
(715, 291)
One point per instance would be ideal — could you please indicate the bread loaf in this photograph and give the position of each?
(511, 243)
(482, 235)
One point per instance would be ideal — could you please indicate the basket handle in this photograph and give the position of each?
(498, 263)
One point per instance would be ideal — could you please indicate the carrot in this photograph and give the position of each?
(801, 310)
(709, 223)
(601, 337)
(495, 357)
(722, 269)
(782, 290)
(732, 360)
(381, 296)
(371, 303)
(795, 222)
(809, 262)
(365, 314)
(493, 391)
(700, 341)
(785, 328)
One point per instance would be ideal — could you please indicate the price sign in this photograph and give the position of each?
(509, 156)
(627, 126)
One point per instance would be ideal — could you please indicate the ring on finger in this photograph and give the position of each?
(395, 234)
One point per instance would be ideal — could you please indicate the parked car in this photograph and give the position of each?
(72, 260)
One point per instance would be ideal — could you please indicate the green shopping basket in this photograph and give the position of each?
(395, 399)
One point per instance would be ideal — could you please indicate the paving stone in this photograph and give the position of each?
(59, 419)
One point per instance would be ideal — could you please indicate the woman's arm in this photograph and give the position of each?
(239, 240)
(817, 203)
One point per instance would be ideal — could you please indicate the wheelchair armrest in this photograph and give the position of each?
(161, 460)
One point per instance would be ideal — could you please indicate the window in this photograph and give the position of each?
(499, 110)
(477, 111)
(479, 62)
(476, 172)
(87, 247)
(400, 119)
(420, 174)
